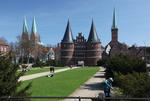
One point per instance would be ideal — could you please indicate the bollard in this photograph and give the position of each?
(79, 98)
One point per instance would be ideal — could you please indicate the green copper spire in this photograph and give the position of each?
(114, 25)
(25, 29)
(34, 30)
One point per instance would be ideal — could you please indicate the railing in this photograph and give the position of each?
(9, 98)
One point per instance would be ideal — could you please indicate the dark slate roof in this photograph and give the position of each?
(93, 37)
(68, 38)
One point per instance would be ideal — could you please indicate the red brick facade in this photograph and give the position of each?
(67, 50)
(3, 47)
(114, 36)
(80, 50)
(93, 53)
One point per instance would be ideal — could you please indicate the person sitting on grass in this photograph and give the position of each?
(107, 86)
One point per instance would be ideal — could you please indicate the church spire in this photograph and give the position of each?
(68, 38)
(93, 37)
(39, 39)
(34, 30)
(114, 25)
(25, 28)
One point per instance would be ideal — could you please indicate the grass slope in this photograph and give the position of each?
(62, 84)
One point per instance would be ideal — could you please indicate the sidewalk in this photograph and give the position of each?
(28, 77)
(92, 88)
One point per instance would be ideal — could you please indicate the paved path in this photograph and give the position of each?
(92, 88)
(33, 68)
(32, 76)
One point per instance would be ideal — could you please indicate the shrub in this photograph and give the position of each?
(124, 64)
(102, 62)
(134, 85)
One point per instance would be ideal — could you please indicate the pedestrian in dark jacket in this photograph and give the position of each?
(52, 69)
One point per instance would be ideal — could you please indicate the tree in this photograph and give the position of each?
(24, 49)
(9, 78)
(11, 46)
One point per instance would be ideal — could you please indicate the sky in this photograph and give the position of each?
(133, 19)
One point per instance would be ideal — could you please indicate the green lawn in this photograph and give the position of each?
(34, 71)
(62, 84)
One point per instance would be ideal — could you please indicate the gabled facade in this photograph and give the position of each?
(75, 51)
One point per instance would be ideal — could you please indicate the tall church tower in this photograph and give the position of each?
(67, 46)
(114, 28)
(25, 38)
(114, 46)
(34, 35)
(25, 34)
(93, 53)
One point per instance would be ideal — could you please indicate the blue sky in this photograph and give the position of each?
(133, 19)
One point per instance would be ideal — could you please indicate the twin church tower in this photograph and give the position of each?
(33, 37)
(30, 42)
(80, 50)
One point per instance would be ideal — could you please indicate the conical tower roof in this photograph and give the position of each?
(93, 37)
(68, 38)
(25, 28)
(114, 25)
(34, 30)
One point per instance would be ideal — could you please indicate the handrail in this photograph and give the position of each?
(100, 98)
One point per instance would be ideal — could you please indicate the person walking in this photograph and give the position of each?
(53, 69)
(107, 86)
(50, 69)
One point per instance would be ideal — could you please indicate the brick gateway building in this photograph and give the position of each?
(80, 50)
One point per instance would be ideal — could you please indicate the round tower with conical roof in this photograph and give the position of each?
(67, 47)
(93, 47)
